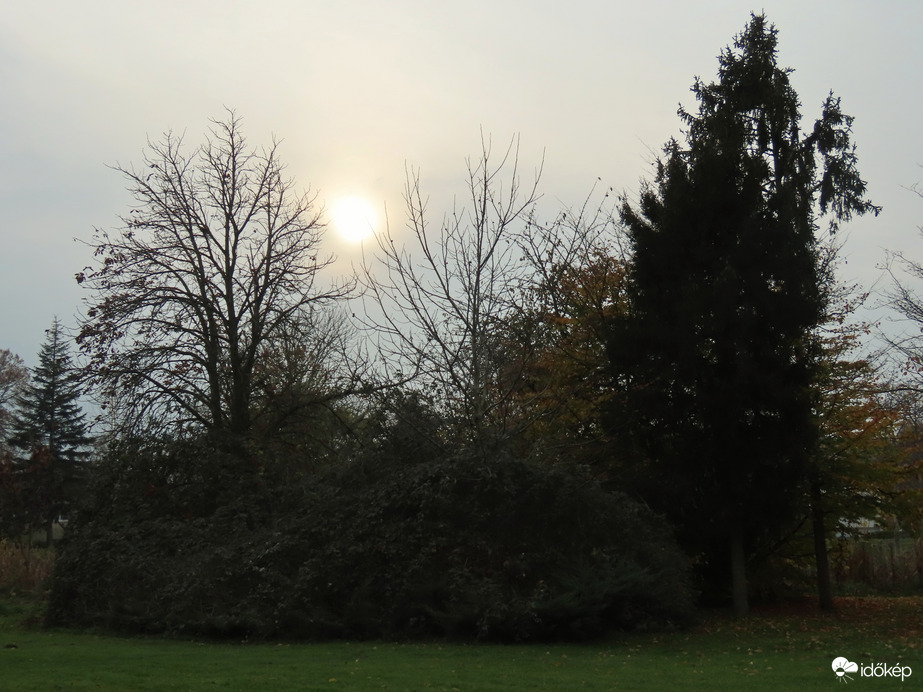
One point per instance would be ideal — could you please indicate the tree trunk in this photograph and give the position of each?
(824, 591)
(739, 587)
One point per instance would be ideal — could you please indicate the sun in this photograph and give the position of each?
(354, 218)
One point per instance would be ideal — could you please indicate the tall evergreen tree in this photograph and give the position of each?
(717, 354)
(51, 431)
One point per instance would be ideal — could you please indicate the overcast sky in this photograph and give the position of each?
(357, 89)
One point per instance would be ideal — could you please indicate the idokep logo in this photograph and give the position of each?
(843, 666)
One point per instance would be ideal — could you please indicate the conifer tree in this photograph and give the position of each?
(717, 354)
(51, 432)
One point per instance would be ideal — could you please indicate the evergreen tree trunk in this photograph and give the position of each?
(824, 590)
(739, 588)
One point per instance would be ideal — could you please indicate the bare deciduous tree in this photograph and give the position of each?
(217, 259)
(904, 296)
(441, 309)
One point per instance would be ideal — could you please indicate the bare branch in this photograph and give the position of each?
(439, 312)
(217, 259)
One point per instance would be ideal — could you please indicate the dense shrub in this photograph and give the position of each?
(509, 551)
(24, 568)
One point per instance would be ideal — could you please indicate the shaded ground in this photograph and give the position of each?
(895, 620)
(787, 646)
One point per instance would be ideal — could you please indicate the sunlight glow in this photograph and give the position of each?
(354, 218)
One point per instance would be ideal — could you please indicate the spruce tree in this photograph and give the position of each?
(51, 432)
(717, 355)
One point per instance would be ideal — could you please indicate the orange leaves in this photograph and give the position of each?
(569, 367)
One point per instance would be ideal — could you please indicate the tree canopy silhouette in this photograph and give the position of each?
(217, 260)
(51, 433)
(717, 352)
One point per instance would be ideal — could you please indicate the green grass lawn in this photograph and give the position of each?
(783, 648)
